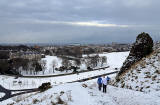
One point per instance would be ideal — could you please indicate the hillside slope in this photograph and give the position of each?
(76, 94)
(144, 75)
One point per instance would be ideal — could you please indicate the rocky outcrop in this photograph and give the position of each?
(141, 48)
(144, 76)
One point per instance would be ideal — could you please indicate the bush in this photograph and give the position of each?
(35, 101)
(44, 86)
(89, 68)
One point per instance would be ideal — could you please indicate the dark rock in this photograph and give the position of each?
(141, 48)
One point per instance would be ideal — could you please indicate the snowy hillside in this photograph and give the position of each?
(144, 76)
(76, 94)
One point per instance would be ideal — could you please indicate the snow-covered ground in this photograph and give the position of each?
(12, 83)
(143, 76)
(76, 94)
(1, 95)
(114, 60)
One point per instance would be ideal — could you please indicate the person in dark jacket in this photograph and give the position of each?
(99, 82)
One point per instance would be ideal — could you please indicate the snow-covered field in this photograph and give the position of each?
(114, 60)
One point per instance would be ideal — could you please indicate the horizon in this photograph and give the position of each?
(43, 44)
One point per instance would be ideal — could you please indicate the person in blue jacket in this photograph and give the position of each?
(108, 79)
(99, 82)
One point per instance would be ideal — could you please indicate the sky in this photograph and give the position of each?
(78, 21)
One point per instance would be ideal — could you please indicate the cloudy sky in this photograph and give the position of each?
(78, 21)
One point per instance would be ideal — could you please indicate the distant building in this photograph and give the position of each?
(25, 55)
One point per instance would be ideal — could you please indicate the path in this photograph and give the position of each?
(93, 77)
(8, 93)
(82, 71)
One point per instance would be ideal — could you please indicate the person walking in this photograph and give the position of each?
(99, 82)
(108, 79)
(104, 82)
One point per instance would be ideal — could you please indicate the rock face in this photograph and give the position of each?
(141, 48)
(144, 76)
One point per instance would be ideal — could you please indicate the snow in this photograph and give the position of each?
(1, 95)
(50, 59)
(144, 76)
(8, 82)
(76, 94)
(114, 60)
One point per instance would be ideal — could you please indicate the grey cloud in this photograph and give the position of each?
(19, 18)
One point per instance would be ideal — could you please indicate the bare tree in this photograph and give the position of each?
(66, 63)
(77, 62)
(104, 60)
(54, 64)
(92, 61)
(43, 64)
(87, 61)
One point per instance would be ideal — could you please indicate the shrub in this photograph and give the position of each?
(35, 101)
(44, 86)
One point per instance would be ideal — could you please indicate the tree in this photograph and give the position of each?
(54, 64)
(4, 66)
(77, 62)
(66, 63)
(104, 60)
(38, 67)
(95, 60)
(92, 61)
(87, 61)
(43, 65)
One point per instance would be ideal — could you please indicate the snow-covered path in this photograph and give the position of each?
(76, 94)
(8, 82)
(120, 96)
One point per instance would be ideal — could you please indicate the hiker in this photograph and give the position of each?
(99, 82)
(104, 82)
(108, 79)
